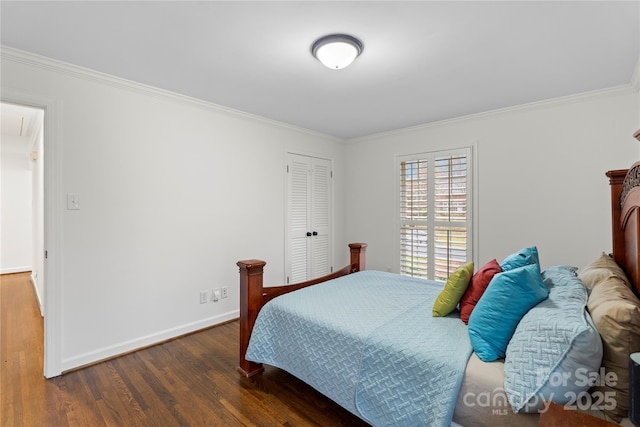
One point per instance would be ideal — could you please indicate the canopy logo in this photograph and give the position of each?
(570, 389)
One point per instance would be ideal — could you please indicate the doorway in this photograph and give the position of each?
(22, 194)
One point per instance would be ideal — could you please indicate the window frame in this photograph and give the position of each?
(472, 201)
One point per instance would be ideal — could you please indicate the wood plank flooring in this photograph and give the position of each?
(190, 381)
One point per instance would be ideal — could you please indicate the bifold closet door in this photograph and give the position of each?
(308, 246)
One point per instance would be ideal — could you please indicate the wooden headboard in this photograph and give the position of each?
(625, 219)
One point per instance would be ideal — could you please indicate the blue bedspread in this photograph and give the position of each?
(368, 341)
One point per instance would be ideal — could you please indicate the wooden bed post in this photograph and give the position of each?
(616, 178)
(251, 272)
(358, 256)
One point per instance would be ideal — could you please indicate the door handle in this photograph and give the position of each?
(308, 234)
(315, 233)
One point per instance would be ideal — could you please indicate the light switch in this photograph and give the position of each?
(73, 201)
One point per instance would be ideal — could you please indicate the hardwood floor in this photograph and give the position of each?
(190, 381)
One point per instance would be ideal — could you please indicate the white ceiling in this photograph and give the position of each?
(423, 61)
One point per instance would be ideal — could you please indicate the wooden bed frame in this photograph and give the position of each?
(625, 214)
(253, 296)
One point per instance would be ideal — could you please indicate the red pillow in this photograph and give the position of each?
(476, 288)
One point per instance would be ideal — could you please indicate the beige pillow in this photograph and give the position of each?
(615, 310)
(601, 269)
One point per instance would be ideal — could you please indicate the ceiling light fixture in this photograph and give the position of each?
(337, 51)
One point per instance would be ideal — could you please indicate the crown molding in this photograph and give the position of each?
(580, 97)
(54, 65)
(38, 61)
(635, 77)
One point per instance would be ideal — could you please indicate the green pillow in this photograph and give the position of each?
(453, 290)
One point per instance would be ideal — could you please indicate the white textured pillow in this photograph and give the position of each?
(555, 347)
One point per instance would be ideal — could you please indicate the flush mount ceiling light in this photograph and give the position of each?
(337, 51)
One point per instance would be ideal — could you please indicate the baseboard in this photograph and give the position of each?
(146, 341)
(12, 270)
(34, 282)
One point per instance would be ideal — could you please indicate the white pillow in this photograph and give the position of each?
(556, 349)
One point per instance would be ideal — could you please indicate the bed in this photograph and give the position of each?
(563, 346)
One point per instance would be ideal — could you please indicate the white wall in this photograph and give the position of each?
(173, 192)
(635, 83)
(16, 248)
(540, 177)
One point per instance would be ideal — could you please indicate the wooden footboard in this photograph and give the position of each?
(253, 296)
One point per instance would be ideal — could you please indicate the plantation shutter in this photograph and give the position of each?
(414, 206)
(435, 220)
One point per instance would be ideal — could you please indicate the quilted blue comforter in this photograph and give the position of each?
(369, 342)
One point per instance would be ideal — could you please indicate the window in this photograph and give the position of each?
(435, 213)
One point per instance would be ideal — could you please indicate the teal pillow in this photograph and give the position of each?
(521, 258)
(509, 296)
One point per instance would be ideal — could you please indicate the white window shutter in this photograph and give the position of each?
(434, 208)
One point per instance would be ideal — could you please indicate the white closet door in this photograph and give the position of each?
(309, 218)
(299, 182)
(320, 217)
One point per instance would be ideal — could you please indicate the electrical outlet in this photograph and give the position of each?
(225, 292)
(215, 295)
(204, 297)
(73, 202)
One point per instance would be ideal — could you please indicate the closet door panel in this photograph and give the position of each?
(308, 240)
